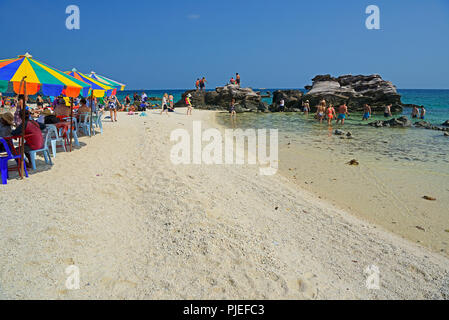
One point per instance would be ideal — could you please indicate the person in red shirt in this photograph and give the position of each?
(33, 135)
(232, 81)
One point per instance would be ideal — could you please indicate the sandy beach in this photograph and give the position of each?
(139, 227)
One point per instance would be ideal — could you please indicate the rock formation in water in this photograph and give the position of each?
(292, 100)
(401, 122)
(355, 91)
(245, 99)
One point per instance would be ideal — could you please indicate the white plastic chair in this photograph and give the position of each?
(84, 124)
(55, 139)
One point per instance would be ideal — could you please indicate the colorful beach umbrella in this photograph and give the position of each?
(39, 77)
(99, 89)
(112, 83)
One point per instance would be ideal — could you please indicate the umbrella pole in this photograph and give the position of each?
(22, 139)
(71, 122)
(91, 107)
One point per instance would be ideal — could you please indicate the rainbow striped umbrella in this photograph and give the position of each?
(39, 77)
(99, 88)
(112, 83)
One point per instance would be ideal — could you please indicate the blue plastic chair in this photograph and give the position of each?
(4, 162)
(44, 150)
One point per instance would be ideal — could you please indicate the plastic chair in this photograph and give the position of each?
(55, 139)
(97, 121)
(4, 162)
(84, 124)
(44, 150)
(74, 132)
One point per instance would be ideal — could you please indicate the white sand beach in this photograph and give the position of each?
(139, 227)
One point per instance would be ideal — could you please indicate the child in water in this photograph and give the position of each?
(232, 109)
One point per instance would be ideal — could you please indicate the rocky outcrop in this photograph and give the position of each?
(428, 125)
(220, 99)
(401, 122)
(445, 124)
(292, 100)
(355, 91)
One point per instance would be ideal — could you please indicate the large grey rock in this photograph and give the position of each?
(292, 100)
(245, 98)
(355, 91)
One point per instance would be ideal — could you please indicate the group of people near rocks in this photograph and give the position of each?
(329, 112)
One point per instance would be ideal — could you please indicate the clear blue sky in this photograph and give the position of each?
(272, 44)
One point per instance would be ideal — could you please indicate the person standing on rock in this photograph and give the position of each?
(330, 114)
(189, 104)
(282, 105)
(422, 113)
(367, 112)
(237, 79)
(387, 111)
(342, 113)
(197, 84)
(203, 84)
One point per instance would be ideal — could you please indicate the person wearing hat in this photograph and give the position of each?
(46, 112)
(6, 122)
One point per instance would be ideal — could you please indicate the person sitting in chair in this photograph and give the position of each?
(33, 135)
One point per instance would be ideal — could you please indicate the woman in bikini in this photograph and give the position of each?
(232, 109)
(321, 109)
(330, 114)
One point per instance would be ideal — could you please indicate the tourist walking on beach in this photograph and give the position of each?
(165, 104)
(113, 105)
(387, 111)
(342, 113)
(171, 101)
(320, 111)
(203, 84)
(306, 107)
(366, 112)
(415, 112)
(189, 104)
(330, 112)
(232, 108)
(422, 113)
(237, 79)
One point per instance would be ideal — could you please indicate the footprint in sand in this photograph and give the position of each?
(306, 285)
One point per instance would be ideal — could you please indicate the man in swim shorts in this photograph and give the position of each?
(342, 113)
(367, 112)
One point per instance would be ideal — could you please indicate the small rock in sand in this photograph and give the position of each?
(429, 198)
(353, 162)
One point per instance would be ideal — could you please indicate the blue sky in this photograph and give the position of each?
(272, 44)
